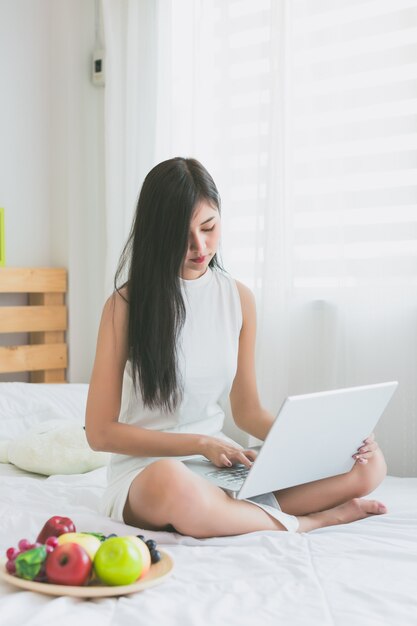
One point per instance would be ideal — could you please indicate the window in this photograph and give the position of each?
(353, 148)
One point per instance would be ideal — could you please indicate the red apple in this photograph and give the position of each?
(54, 527)
(68, 564)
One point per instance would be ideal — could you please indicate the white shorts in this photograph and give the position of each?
(270, 505)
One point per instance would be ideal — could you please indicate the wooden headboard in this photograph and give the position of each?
(44, 318)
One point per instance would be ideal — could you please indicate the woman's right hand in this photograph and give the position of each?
(225, 454)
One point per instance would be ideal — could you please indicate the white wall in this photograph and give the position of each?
(24, 130)
(77, 178)
(51, 161)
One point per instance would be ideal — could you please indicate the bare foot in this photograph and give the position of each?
(350, 511)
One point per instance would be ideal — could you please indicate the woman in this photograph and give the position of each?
(175, 342)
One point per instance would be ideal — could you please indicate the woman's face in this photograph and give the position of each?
(203, 240)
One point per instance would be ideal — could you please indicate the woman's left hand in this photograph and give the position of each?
(366, 450)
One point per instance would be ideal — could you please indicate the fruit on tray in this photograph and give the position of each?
(27, 560)
(144, 552)
(56, 526)
(88, 541)
(80, 558)
(29, 563)
(68, 564)
(118, 561)
(152, 547)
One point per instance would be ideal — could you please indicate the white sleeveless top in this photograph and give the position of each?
(207, 363)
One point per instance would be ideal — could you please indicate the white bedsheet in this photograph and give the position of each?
(359, 574)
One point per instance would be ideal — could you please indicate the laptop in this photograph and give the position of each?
(313, 436)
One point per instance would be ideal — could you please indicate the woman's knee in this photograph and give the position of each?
(161, 478)
(152, 492)
(367, 477)
(163, 484)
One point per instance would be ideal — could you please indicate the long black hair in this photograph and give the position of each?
(153, 257)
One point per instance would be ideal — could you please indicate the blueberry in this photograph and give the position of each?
(141, 537)
(155, 555)
(110, 536)
(151, 544)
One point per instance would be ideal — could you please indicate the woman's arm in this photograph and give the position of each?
(247, 411)
(105, 432)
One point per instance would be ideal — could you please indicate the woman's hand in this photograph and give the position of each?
(366, 450)
(225, 454)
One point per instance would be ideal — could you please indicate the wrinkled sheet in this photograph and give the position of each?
(358, 574)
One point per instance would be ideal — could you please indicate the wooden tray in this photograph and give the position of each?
(156, 575)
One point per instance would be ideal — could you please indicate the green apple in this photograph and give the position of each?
(144, 550)
(118, 561)
(90, 543)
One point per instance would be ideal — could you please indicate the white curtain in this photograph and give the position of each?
(129, 117)
(305, 113)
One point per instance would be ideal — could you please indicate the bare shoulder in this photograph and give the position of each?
(114, 323)
(116, 307)
(112, 341)
(247, 300)
(118, 299)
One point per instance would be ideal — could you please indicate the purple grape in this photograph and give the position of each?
(12, 553)
(24, 545)
(42, 577)
(11, 567)
(155, 555)
(52, 541)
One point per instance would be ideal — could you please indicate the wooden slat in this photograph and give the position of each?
(32, 358)
(48, 376)
(46, 299)
(33, 280)
(57, 336)
(23, 319)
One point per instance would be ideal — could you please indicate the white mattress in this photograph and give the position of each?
(360, 574)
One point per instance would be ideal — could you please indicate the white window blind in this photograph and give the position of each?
(352, 148)
(242, 96)
(305, 112)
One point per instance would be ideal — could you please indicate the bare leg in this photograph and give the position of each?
(350, 511)
(330, 492)
(166, 493)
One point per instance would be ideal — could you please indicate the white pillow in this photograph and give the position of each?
(24, 405)
(53, 448)
(41, 428)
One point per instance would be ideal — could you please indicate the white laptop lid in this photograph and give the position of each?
(315, 435)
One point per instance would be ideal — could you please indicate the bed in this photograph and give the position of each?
(362, 574)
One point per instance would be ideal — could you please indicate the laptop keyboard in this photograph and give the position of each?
(231, 477)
